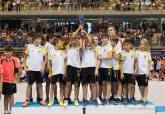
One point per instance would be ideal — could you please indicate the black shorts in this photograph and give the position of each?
(128, 79)
(87, 75)
(57, 78)
(116, 77)
(142, 80)
(73, 74)
(105, 74)
(34, 76)
(9, 88)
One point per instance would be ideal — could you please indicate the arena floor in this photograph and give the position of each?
(156, 93)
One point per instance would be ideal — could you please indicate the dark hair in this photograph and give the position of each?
(8, 49)
(55, 41)
(48, 37)
(39, 35)
(104, 35)
(128, 41)
(32, 34)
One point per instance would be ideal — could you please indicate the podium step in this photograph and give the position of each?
(35, 108)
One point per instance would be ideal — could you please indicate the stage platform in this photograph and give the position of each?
(35, 108)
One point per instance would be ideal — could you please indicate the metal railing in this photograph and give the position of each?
(127, 6)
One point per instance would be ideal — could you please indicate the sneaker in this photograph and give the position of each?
(132, 101)
(65, 103)
(104, 102)
(98, 100)
(43, 103)
(26, 104)
(55, 99)
(140, 101)
(85, 102)
(118, 101)
(144, 102)
(95, 102)
(125, 101)
(61, 103)
(76, 103)
(70, 101)
(111, 99)
(51, 103)
(31, 100)
(47, 100)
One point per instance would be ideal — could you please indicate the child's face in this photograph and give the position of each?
(111, 31)
(51, 40)
(95, 40)
(38, 41)
(104, 40)
(143, 45)
(29, 39)
(127, 46)
(8, 54)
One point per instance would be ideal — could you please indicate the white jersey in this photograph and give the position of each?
(57, 59)
(73, 57)
(35, 57)
(128, 61)
(104, 51)
(48, 47)
(143, 58)
(89, 58)
(115, 62)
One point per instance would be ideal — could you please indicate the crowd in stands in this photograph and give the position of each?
(158, 68)
(19, 34)
(124, 5)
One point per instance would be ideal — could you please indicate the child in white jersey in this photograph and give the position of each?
(143, 67)
(57, 71)
(34, 63)
(128, 63)
(88, 64)
(48, 47)
(116, 77)
(73, 67)
(104, 63)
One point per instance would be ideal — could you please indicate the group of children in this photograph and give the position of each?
(110, 66)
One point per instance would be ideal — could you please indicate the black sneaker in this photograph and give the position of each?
(47, 100)
(85, 102)
(95, 102)
(91, 100)
(104, 102)
(125, 101)
(118, 101)
(31, 100)
(132, 101)
(112, 99)
(55, 99)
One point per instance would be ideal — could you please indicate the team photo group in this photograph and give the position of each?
(107, 67)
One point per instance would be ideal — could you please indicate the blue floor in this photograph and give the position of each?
(160, 109)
